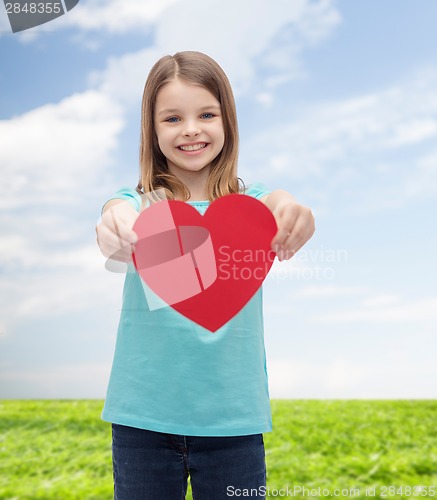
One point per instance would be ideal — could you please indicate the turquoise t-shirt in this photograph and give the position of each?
(171, 375)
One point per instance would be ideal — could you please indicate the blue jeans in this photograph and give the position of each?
(151, 465)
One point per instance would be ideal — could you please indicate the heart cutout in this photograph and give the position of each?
(206, 267)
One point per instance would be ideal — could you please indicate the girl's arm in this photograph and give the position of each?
(114, 232)
(295, 223)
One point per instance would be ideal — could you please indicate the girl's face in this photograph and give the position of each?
(189, 127)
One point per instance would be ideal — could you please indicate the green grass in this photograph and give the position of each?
(353, 445)
(61, 450)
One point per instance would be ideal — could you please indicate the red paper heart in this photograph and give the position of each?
(206, 267)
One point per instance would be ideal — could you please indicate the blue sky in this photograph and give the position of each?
(337, 103)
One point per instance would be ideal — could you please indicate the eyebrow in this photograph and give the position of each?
(174, 110)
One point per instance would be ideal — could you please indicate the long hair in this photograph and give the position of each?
(199, 69)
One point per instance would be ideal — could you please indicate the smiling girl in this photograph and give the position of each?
(183, 401)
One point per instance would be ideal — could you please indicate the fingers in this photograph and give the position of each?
(111, 245)
(114, 252)
(286, 252)
(285, 229)
(115, 236)
(123, 254)
(119, 219)
(121, 225)
(295, 228)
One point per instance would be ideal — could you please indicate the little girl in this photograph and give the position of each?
(184, 401)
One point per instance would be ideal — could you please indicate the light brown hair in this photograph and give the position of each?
(199, 69)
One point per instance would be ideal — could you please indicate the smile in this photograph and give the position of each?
(194, 147)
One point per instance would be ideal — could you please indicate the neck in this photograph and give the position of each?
(196, 183)
(199, 195)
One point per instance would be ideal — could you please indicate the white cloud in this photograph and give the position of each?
(422, 180)
(328, 291)
(399, 376)
(413, 131)
(54, 161)
(55, 165)
(244, 27)
(380, 310)
(49, 154)
(43, 292)
(247, 31)
(242, 36)
(265, 98)
(56, 381)
(43, 247)
(381, 300)
(364, 150)
(117, 16)
(124, 77)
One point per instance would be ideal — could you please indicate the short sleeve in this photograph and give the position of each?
(128, 194)
(257, 190)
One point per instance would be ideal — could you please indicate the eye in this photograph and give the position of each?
(172, 119)
(207, 115)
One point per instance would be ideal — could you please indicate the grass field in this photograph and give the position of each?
(61, 450)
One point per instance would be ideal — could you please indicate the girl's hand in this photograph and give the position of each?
(295, 223)
(114, 233)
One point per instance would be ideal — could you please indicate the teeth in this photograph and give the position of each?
(196, 147)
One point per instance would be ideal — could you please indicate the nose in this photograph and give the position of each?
(192, 129)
